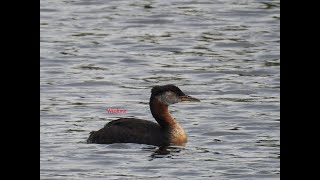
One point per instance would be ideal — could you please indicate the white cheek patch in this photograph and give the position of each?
(168, 98)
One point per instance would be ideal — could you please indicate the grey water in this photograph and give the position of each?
(100, 54)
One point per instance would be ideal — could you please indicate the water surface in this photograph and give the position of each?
(101, 54)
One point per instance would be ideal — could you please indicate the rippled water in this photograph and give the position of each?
(98, 54)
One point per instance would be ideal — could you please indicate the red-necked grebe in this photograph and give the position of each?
(131, 130)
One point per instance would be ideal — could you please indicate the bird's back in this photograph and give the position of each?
(130, 130)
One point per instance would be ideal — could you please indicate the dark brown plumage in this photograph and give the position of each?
(157, 90)
(130, 130)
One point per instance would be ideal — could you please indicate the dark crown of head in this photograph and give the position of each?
(157, 90)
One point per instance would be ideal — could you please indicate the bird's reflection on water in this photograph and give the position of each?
(165, 152)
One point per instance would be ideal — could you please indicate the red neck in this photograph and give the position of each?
(161, 114)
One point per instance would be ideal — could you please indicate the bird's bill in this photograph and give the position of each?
(189, 99)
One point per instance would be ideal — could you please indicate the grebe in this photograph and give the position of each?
(131, 130)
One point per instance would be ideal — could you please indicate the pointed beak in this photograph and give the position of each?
(189, 99)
